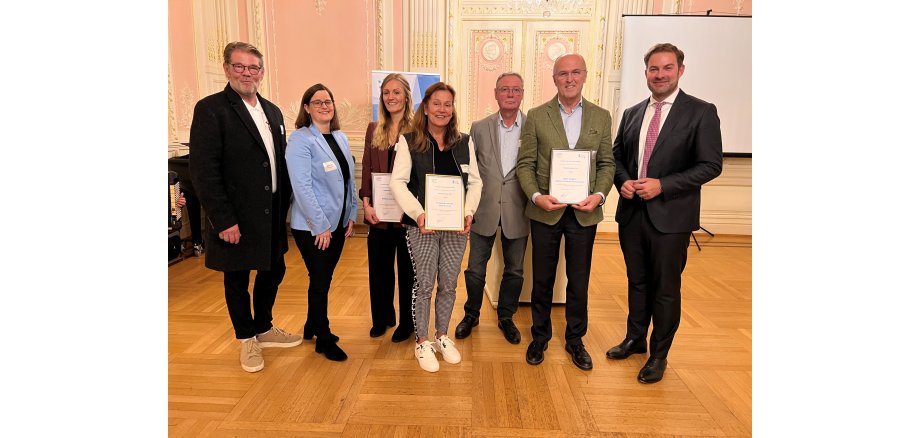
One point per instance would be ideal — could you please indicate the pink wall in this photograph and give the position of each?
(398, 62)
(699, 7)
(243, 22)
(332, 42)
(335, 47)
(182, 57)
(305, 45)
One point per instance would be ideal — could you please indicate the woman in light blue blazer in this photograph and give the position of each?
(325, 205)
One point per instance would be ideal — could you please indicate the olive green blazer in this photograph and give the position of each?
(543, 132)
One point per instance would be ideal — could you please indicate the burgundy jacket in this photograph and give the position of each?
(375, 160)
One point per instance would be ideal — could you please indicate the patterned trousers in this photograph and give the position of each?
(438, 254)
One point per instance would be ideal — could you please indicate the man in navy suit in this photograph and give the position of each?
(666, 148)
(236, 160)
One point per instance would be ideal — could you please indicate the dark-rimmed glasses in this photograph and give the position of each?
(254, 69)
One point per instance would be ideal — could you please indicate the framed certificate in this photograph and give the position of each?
(569, 174)
(384, 203)
(444, 202)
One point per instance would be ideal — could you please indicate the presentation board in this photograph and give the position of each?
(717, 56)
(418, 82)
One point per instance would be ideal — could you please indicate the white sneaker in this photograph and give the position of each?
(446, 347)
(424, 352)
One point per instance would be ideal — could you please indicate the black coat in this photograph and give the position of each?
(232, 178)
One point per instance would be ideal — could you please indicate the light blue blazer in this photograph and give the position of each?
(317, 181)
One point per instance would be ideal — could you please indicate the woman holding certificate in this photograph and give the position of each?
(325, 205)
(386, 238)
(436, 182)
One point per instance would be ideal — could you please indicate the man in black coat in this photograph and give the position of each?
(236, 160)
(666, 148)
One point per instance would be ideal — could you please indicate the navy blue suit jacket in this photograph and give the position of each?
(687, 155)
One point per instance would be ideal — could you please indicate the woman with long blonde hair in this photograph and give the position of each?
(386, 241)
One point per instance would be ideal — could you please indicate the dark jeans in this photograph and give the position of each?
(384, 246)
(579, 245)
(509, 293)
(320, 266)
(249, 321)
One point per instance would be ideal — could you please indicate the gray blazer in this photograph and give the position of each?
(501, 194)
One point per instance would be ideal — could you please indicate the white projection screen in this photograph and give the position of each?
(717, 56)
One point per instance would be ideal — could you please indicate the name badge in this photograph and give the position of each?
(329, 166)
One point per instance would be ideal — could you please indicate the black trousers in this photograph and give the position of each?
(654, 264)
(384, 246)
(320, 266)
(579, 245)
(249, 321)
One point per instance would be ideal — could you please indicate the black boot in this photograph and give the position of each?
(331, 350)
(402, 332)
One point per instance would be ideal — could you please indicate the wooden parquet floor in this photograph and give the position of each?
(380, 391)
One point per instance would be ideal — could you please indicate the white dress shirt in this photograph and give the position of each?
(262, 123)
(647, 120)
(509, 141)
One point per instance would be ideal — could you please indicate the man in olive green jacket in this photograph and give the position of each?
(567, 121)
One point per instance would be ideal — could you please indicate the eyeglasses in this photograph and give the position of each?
(514, 91)
(254, 69)
(575, 74)
(320, 103)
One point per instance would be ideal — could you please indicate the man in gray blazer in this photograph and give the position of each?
(497, 138)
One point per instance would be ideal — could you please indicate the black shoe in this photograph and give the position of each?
(331, 350)
(580, 356)
(465, 327)
(308, 335)
(626, 348)
(653, 370)
(509, 330)
(402, 333)
(535, 352)
(378, 331)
